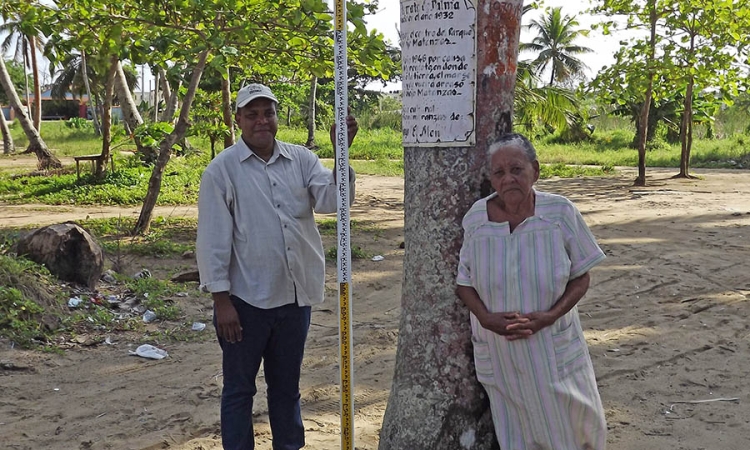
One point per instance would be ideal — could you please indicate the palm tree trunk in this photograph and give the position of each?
(8, 146)
(226, 109)
(311, 113)
(45, 159)
(156, 97)
(165, 148)
(171, 99)
(26, 77)
(84, 69)
(109, 90)
(36, 112)
(129, 109)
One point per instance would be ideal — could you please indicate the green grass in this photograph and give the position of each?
(375, 152)
(612, 149)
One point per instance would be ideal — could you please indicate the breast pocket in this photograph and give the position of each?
(299, 204)
(571, 354)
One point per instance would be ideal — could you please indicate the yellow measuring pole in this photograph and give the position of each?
(344, 254)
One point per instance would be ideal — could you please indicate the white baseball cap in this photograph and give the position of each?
(253, 91)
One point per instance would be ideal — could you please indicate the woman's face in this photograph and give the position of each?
(512, 174)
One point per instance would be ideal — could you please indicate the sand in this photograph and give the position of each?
(666, 320)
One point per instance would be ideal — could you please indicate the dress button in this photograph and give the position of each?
(278, 206)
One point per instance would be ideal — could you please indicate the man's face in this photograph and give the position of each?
(259, 124)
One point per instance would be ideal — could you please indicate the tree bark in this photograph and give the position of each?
(436, 402)
(226, 109)
(36, 112)
(311, 113)
(165, 149)
(8, 146)
(171, 98)
(45, 159)
(156, 97)
(686, 135)
(84, 69)
(109, 88)
(643, 122)
(130, 113)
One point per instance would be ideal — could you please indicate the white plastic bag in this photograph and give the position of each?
(149, 351)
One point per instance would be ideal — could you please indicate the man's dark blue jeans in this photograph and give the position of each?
(276, 336)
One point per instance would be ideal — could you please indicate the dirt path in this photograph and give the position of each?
(666, 318)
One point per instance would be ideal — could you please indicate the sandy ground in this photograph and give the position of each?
(666, 320)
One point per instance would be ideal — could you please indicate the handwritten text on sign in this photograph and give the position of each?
(438, 43)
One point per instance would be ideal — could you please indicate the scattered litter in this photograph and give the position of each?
(614, 350)
(74, 302)
(55, 389)
(108, 341)
(113, 299)
(149, 351)
(108, 277)
(378, 258)
(149, 316)
(145, 273)
(145, 295)
(198, 326)
(181, 294)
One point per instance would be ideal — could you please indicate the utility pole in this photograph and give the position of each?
(459, 68)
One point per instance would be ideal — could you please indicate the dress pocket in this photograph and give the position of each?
(571, 354)
(483, 362)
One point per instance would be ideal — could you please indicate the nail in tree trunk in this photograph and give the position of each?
(165, 149)
(436, 402)
(92, 101)
(45, 159)
(8, 146)
(311, 113)
(226, 109)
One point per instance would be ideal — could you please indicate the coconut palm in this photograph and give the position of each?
(555, 46)
(25, 42)
(534, 105)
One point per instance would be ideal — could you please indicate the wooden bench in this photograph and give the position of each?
(95, 161)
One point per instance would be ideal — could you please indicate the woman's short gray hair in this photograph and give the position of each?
(509, 139)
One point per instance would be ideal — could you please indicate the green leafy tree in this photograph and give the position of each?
(555, 45)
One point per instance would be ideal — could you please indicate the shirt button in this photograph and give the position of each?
(289, 248)
(278, 206)
(274, 184)
(284, 225)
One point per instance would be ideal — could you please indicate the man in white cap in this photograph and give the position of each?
(261, 257)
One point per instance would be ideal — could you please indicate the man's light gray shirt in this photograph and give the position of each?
(257, 236)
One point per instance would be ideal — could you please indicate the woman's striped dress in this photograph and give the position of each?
(542, 389)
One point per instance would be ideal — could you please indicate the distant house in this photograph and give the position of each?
(55, 108)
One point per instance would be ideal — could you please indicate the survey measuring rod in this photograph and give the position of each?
(344, 244)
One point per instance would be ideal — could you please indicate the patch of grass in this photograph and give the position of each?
(357, 252)
(329, 227)
(565, 171)
(29, 309)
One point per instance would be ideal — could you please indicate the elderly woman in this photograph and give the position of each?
(523, 268)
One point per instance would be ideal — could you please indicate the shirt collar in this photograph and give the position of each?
(278, 150)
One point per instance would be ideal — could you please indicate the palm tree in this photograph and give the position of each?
(551, 107)
(555, 45)
(45, 159)
(27, 42)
